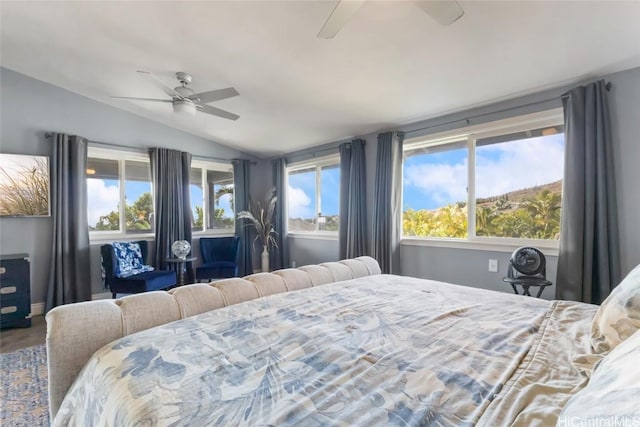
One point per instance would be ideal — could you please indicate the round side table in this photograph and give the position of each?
(180, 266)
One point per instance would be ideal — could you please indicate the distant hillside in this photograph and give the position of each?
(521, 195)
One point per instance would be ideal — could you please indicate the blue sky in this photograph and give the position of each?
(302, 193)
(430, 180)
(435, 180)
(104, 195)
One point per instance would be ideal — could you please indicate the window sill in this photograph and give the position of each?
(315, 236)
(548, 248)
(109, 238)
(214, 233)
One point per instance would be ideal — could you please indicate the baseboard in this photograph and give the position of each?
(104, 295)
(37, 309)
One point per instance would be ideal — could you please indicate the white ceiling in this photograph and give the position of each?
(391, 64)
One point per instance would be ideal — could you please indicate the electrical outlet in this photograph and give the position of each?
(493, 265)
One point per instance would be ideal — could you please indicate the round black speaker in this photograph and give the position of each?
(528, 261)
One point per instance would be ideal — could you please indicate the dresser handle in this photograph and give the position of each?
(7, 310)
(8, 290)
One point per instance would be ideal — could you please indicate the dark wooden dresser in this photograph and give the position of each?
(15, 291)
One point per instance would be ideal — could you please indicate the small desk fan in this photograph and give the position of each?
(527, 267)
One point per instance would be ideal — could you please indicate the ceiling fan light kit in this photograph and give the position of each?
(184, 100)
(185, 106)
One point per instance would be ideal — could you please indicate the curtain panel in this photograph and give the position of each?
(170, 172)
(352, 233)
(241, 171)
(69, 274)
(279, 256)
(589, 259)
(387, 207)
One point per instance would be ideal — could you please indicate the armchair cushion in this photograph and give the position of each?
(220, 256)
(140, 282)
(129, 259)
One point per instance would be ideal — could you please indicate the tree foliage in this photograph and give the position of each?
(137, 216)
(533, 218)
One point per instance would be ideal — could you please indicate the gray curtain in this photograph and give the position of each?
(69, 274)
(279, 256)
(170, 172)
(353, 200)
(589, 260)
(241, 170)
(387, 205)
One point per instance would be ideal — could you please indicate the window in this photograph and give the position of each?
(212, 202)
(313, 196)
(500, 180)
(119, 196)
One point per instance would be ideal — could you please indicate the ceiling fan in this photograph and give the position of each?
(444, 12)
(185, 100)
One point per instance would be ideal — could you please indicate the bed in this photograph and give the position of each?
(333, 344)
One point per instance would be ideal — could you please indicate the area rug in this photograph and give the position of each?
(23, 387)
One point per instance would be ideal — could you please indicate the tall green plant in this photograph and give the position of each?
(261, 215)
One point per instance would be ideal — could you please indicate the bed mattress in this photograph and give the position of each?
(379, 350)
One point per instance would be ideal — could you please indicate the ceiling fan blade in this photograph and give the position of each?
(343, 11)
(162, 85)
(217, 112)
(214, 95)
(141, 99)
(444, 12)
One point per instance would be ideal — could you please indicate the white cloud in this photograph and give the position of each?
(500, 168)
(521, 164)
(299, 204)
(101, 199)
(443, 183)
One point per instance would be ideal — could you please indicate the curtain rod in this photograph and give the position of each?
(129, 148)
(334, 148)
(468, 119)
(566, 95)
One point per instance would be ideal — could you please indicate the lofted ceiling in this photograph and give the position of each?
(390, 65)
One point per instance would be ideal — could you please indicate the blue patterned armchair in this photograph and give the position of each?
(125, 271)
(220, 258)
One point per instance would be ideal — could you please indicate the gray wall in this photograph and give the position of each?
(625, 117)
(470, 267)
(29, 108)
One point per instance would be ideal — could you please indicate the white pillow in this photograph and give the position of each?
(619, 315)
(612, 396)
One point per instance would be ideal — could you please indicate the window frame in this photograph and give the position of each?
(317, 164)
(209, 165)
(121, 156)
(473, 133)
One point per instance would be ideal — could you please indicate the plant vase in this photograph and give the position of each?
(265, 259)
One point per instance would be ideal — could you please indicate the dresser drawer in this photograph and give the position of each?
(13, 270)
(15, 291)
(22, 301)
(15, 320)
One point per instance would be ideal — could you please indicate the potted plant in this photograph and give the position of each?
(260, 216)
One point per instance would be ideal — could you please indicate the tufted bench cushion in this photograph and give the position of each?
(76, 331)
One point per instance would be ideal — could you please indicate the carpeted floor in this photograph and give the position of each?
(23, 387)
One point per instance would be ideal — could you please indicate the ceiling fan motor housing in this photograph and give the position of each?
(184, 78)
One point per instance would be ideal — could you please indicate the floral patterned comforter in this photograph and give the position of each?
(379, 350)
